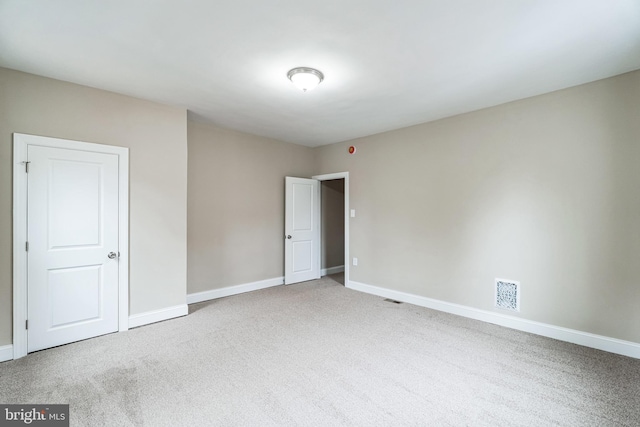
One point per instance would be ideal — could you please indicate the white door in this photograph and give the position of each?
(302, 230)
(73, 245)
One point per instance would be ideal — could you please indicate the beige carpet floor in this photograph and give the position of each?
(318, 354)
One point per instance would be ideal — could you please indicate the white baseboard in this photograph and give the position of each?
(233, 290)
(154, 316)
(332, 270)
(612, 345)
(6, 353)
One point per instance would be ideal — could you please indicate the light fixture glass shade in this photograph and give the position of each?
(305, 78)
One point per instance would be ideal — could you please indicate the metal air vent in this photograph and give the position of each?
(508, 294)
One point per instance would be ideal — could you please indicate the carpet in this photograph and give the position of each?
(318, 354)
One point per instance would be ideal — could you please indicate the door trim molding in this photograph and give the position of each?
(345, 176)
(21, 143)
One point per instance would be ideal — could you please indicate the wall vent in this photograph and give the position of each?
(508, 294)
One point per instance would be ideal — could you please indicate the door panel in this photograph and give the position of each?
(302, 205)
(302, 253)
(72, 227)
(302, 230)
(74, 199)
(74, 295)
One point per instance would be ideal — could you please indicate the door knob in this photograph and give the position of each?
(112, 255)
(288, 236)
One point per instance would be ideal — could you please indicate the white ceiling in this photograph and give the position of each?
(387, 64)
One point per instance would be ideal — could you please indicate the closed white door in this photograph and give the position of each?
(302, 230)
(73, 245)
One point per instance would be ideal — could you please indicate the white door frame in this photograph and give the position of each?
(345, 176)
(21, 142)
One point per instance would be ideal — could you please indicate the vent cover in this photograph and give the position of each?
(508, 294)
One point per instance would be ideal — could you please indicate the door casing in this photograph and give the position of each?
(21, 143)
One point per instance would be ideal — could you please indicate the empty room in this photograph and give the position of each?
(293, 213)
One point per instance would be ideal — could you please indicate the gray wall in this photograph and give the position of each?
(542, 190)
(236, 205)
(332, 223)
(157, 139)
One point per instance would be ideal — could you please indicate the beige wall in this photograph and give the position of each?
(236, 205)
(332, 217)
(157, 139)
(543, 190)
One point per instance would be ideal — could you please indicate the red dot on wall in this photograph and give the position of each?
(352, 149)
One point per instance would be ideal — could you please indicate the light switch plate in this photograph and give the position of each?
(353, 213)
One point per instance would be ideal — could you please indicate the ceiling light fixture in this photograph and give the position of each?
(305, 78)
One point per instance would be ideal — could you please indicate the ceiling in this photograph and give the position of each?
(387, 64)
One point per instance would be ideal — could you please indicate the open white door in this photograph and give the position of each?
(302, 230)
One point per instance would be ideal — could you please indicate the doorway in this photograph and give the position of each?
(302, 253)
(70, 241)
(334, 224)
(332, 229)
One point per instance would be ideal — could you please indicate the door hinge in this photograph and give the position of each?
(26, 246)
(26, 324)
(26, 166)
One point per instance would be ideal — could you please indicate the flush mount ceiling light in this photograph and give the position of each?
(305, 78)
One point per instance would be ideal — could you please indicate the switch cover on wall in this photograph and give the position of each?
(355, 261)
